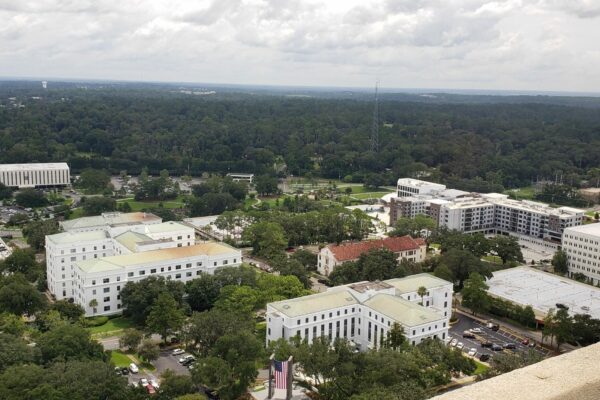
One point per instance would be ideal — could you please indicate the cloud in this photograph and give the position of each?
(502, 44)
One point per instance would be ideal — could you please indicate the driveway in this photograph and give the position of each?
(167, 361)
(499, 337)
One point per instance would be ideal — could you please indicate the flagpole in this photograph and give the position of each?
(270, 393)
(290, 376)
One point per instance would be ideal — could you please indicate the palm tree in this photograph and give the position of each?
(94, 304)
(422, 291)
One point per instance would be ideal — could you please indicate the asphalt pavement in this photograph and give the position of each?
(499, 337)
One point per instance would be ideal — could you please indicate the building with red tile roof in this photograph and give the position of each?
(405, 247)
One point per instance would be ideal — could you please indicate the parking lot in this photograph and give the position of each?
(165, 361)
(499, 337)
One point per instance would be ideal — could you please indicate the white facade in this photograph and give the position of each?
(364, 312)
(582, 245)
(407, 187)
(64, 250)
(102, 279)
(35, 175)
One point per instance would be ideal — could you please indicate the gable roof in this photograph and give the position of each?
(352, 251)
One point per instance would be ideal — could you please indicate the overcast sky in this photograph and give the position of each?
(459, 44)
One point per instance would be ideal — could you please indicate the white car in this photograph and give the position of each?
(154, 383)
(143, 382)
(472, 352)
(460, 345)
(177, 352)
(134, 368)
(476, 330)
(186, 358)
(454, 342)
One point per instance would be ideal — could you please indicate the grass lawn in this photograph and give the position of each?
(119, 358)
(481, 368)
(492, 259)
(113, 325)
(140, 205)
(370, 195)
(76, 213)
(524, 193)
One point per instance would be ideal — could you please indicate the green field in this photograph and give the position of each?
(119, 358)
(113, 325)
(370, 195)
(481, 368)
(76, 213)
(492, 259)
(524, 193)
(140, 205)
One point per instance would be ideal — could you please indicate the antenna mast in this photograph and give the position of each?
(375, 126)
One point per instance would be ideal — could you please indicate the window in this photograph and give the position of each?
(153, 271)
(199, 264)
(105, 280)
(142, 272)
(93, 282)
(188, 274)
(224, 262)
(118, 288)
(94, 291)
(179, 237)
(198, 272)
(106, 299)
(178, 267)
(106, 290)
(178, 244)
(106, 308)
(188, 265)
(215, 263)
(130, 274)
(73, 258)
(177, 276)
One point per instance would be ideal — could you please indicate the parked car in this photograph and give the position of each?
(525, 342)
(118, 371)
(124, 371)
(510, 346)
(476, 330)
(472, 352)
(154, 383)
(186, 358)
(134, 368)
(468, 335)
(143, 382)
(454, 342)
(460, 345)
(187, 362)
(485, 343)
(496, 347)
(177, 352)
(150, 389)
(484, 357)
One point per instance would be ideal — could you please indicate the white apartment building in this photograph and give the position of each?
(364, 312)
(102, 279)
(582, 245)
(408, 187)
(404, 247)
(532, 222)
(35, 175)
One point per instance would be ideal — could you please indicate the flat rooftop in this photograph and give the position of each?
(542, 291)
(419, 183)
(315, 303)
(152, 257)
(402, 311)
(33, 166)
(412, 283)
(590, 229)
(77, 237)
(113, 218)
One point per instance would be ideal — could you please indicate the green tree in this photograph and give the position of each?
(17, 296)
(474, 294)
(31, 198)
(68, 342)
(395, 338)
(559, 262)
(507, 248)
(203, 329)
(461, 263)
(149, 350)
(131, 339)
(292, 267)
(345, 273)
(98, 205)
(70, 311)
(13, 351)
(265, 185)
(421, 292)
(307, 258)
(242, 298)
(176, 386)
(377, 264)
(138, 297)
(94, 304)
(93, 181)
(202, 292)
(413, 226)
(5, 192)
(266, 238)
(22, 261)
(563, 327)
(165, 317)
(443, 272)
(36, 232)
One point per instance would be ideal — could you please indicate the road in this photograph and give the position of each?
(500, 337)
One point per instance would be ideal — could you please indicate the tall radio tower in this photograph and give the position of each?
(375, 126)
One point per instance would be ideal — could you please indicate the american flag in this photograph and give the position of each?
(281, 372)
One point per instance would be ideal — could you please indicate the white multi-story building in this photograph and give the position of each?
(364, 312)
(533, 223)
(404, 247)
(582, 246)
(102, 279)
(35, 175)
(408, 187)
(89, 245)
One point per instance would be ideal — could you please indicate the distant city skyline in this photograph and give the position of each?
(538, 45)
